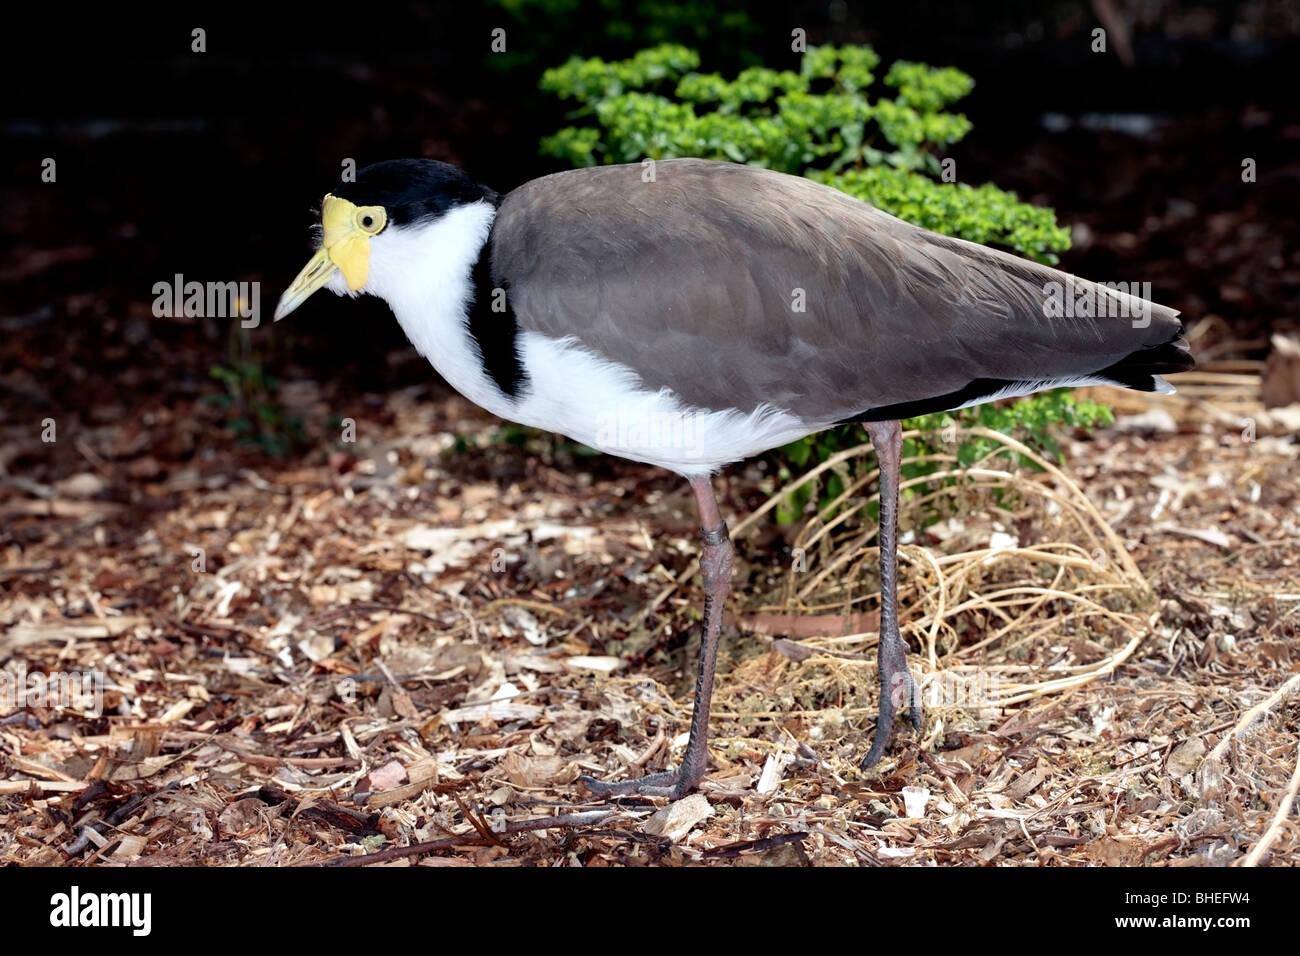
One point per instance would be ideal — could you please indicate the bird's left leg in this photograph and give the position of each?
(716, 563)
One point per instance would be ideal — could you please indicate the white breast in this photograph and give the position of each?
(424, 273)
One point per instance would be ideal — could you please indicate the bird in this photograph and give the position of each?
(710, 312)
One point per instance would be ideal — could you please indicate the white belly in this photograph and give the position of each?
(602, 404)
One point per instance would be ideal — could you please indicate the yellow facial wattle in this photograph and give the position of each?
(345, 248)
(346, 240)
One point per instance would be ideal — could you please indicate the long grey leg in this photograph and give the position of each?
(716, 562)
(896, 683)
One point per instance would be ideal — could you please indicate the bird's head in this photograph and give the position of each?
(363, 222)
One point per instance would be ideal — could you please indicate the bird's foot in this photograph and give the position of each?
(673, 784)
(670, 784)
(897, 687)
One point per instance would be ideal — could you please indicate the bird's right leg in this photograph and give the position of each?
(897, 685)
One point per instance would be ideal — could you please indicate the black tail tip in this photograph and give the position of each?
(1142, 370)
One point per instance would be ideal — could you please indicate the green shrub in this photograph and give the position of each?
(821, 122)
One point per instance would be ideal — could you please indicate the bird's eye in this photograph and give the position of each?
(371, 219)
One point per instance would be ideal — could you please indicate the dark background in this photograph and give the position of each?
(208, 164)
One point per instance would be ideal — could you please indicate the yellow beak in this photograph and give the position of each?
(345, 248)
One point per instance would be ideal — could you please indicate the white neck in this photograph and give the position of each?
(425, 274)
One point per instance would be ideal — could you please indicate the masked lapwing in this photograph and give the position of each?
(710, 312)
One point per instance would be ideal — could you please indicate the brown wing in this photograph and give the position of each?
(735, 286)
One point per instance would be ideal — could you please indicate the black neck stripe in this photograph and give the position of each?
(494, 327)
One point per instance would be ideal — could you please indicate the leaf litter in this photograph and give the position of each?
(392, 663)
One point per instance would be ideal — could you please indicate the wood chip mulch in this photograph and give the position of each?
(406, 650)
